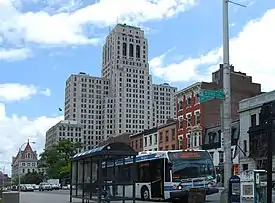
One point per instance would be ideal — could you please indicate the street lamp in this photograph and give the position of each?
(19, 161)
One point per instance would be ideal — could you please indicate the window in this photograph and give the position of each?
(180, 105)
(160, 137)
(253, 120)
(188, 101)
(173, 134)
(124, 51)
(150, 140)
(131, 50)
(167, 136)
(137, 51)
(140, 143)
(245, 167)
(198, 117)
(188, 141)
(189, 119)
(180, 124)
(155, 139)
(195, 140)
(145, 142)
(197, 98)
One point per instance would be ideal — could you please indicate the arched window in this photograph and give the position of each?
(131, 50)
(124, 49)
(138, 51)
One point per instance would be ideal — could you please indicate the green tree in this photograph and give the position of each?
(56, 159)
(32, 178)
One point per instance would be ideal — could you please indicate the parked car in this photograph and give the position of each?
(55, 187)
(35, 187)
(27, 188)
(45, 187)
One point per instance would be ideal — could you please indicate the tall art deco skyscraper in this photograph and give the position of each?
(122, 100)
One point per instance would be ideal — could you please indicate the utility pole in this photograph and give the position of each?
(227, 100)
(226, 103)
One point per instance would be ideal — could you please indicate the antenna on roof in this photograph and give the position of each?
(28, 141)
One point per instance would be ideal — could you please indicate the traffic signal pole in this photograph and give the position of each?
(226, 103)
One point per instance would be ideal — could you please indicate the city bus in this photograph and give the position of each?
(165, 175)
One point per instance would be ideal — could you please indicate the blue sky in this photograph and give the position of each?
(43, 42)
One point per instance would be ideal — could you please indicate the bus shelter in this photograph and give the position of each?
(100, 174)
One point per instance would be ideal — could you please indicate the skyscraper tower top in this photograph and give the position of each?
(124, 46)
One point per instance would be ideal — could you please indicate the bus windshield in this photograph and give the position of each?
(191, 164)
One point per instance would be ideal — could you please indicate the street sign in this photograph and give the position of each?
(206, 95)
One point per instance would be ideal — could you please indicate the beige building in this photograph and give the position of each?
(65, 130)
(24, 162)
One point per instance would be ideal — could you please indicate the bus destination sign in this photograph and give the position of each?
(187, 155)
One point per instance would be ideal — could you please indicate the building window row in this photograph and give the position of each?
(188, 102)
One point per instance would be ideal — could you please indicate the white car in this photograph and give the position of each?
(45, 187)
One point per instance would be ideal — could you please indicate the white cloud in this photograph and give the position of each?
(46, 92)
(15, 91)
(16, 130)
(13, 54)
(252, 51)
(67, 28)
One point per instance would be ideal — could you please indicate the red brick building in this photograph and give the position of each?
(167, 136)
(137, 141)
(194, 116)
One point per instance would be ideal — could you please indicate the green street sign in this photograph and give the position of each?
(206, 95)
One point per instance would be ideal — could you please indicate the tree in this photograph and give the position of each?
(32, 178)
(56, 159)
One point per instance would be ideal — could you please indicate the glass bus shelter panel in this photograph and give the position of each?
(90, 180)
(118, 179)
(73, 177)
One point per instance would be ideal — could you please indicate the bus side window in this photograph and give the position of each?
(143, 172)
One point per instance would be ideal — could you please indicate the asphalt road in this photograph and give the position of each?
(62, 196)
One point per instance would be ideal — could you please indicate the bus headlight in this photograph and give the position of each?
(179, 187)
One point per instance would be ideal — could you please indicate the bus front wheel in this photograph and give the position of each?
(144, 193)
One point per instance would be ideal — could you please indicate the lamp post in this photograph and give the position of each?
(19, 162)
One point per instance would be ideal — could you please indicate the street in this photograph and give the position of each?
(62, 196)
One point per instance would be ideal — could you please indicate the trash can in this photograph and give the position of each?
(196, 195)
(10, 197)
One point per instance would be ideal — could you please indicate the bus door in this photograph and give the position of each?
(157, 178)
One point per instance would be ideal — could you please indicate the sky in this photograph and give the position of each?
(42, 42)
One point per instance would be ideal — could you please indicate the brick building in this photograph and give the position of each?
(167, 137)
(137, 141)
(194, 116)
